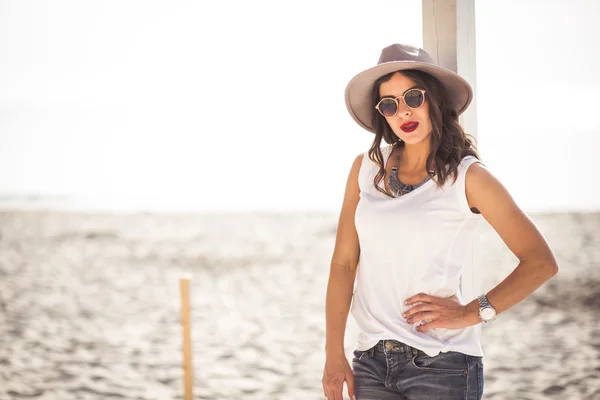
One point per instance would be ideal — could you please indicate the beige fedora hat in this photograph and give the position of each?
(398, 57)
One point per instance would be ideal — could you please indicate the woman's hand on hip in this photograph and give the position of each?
(437, 312)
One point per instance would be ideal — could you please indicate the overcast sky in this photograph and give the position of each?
(197, 105)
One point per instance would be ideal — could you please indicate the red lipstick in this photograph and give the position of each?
(409, 126)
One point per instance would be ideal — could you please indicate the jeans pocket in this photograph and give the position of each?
(360, 354)
(451, 362)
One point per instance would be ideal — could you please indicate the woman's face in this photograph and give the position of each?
(396, 86)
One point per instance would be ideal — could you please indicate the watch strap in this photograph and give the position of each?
(483, 301)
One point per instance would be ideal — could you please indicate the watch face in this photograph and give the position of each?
(487, 313)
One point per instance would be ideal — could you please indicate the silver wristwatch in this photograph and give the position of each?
(487, 313)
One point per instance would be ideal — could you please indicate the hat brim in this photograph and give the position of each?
(359, 89)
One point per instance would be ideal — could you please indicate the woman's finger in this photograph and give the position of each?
(421, 316)
(350, 384)
(421, 297)
(334, 391)
(429, 325)
(421, 308)
(335, 394)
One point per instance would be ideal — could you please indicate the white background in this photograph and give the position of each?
(238, 105)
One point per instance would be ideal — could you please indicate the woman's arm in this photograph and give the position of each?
(537, 263)
(343, 267)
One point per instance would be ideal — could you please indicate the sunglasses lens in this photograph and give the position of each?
(414, 98)
(387, 107)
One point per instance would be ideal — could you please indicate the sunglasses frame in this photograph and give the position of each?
(404, 101)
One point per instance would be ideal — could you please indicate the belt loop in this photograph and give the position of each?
(407, 351)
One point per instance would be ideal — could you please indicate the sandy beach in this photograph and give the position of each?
(89, 307)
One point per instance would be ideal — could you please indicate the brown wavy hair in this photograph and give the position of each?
(448, 141)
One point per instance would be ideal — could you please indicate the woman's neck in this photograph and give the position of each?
(413, 158)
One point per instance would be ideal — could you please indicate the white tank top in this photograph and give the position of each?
(410, 244)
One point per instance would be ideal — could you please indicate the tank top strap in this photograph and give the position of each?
(460, 184)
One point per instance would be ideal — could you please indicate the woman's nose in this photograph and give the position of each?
(403, 109)
(403, 112)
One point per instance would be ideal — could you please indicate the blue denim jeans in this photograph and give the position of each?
(393, 370)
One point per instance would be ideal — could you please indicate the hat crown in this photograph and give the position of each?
(403, 52)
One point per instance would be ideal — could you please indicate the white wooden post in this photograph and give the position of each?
(449, 37)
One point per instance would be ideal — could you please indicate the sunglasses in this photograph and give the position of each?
(413, 98)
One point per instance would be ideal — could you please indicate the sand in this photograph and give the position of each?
(89, 307)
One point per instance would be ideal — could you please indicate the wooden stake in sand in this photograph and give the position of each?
(184, 286)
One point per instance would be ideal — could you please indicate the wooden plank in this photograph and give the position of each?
(466, 60)
(188, 379)
(439, 31)
(449, 37)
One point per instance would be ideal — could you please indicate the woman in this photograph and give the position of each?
(409, 214)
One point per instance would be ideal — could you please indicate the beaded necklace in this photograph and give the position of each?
(398, 188)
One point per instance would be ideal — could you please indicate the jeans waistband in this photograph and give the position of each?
(393, 346)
